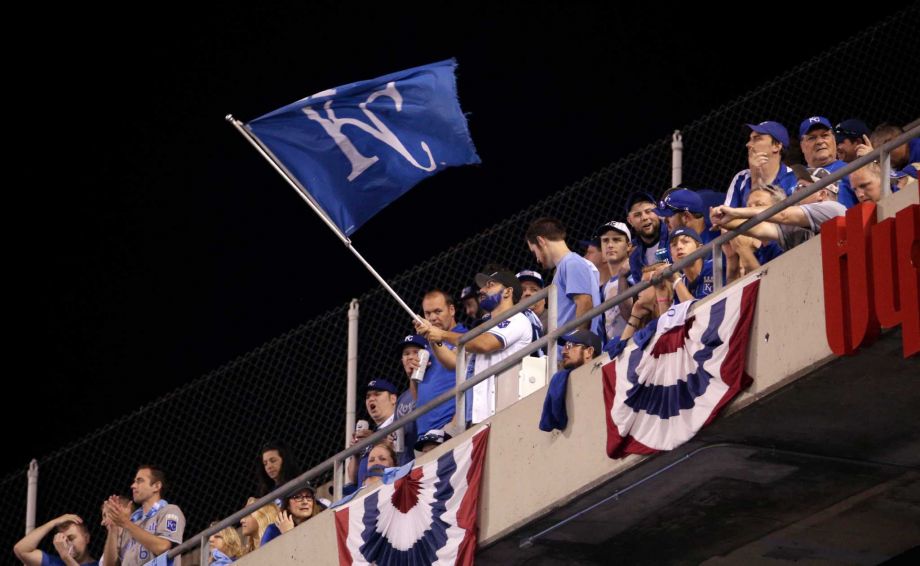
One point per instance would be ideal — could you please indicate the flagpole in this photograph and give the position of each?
(302, 191)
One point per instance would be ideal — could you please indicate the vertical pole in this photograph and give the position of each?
(204, 556)
(351, 396)
(552, 317)
(677, 159)
(716, 268)
(338, 478)
(460, 397)
(31, 496)
(885, 164)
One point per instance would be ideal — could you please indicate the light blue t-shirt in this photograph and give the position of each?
(576, 276)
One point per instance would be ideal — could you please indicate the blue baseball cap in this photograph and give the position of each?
(908, 171)
(685, 231)
(381, 385)
(638, 197)
(679, 201)
(774, 129)
(584, 337)
(808, 124)
(530, 275)
(413, 340)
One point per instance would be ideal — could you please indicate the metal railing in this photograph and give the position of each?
(335, 462)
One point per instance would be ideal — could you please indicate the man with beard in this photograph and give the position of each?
(819, 147)
(850, 136)
(578, 348)
(499, 291)
(650, 244)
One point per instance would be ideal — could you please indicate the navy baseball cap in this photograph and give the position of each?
(808, 124)
(686, 231)
(774, 129)
(638, 197)
(679, 201)
(381, 385)
(584, 337)
(413, 340)
(615, 226)
(468, 292)
(851, 129)
(530, 275)
(504, 277)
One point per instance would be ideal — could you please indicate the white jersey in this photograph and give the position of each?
(514, 334)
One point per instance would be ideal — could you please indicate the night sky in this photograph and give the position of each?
(151, 244)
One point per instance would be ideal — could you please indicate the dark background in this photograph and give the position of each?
(151, 244)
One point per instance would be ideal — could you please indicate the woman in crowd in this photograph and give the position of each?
(276, 467)
(382, 456)
(225, 547)
(298, 508)
(254, 524)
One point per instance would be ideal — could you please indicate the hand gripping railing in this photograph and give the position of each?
(549, 340)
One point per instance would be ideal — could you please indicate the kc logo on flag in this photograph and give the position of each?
(425, 517)
(356, 148)
(678, 373)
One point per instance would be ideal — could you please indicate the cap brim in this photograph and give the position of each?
(665, 212)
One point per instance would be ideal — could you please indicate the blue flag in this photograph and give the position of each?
(359, 147)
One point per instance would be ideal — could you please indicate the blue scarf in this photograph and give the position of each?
(139, 512)
(554, 413)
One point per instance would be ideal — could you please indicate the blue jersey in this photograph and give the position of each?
(438, 379)
(740, 187)
(702, 285)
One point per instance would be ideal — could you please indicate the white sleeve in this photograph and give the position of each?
(512, 330)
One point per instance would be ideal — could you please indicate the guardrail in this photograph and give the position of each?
(337, 461)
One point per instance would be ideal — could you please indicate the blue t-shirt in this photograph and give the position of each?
(702, 285)
(575, 277)
(438, 379)
(51, 560)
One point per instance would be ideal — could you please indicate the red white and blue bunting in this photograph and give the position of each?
(425, 517)
(676, 375)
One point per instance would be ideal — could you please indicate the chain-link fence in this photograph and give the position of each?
(293, 387)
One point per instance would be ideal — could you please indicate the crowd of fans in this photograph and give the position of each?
(652, 233)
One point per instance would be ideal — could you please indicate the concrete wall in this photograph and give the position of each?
(529, 472)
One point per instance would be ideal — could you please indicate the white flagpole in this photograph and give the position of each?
(302, 191)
